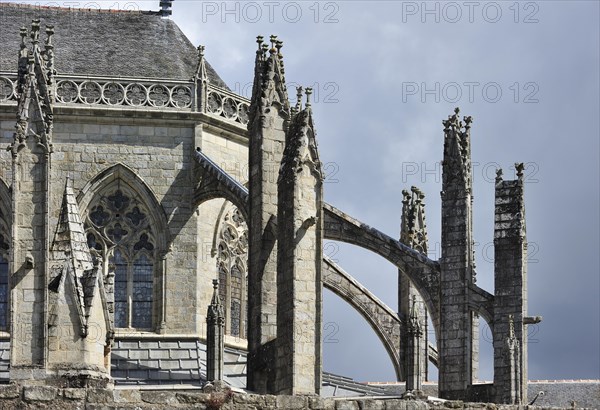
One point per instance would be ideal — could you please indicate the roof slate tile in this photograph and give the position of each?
(138, 44)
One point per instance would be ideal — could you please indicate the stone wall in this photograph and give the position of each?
(34, 397)
(510, 289)
(161, 157)
(160, 153)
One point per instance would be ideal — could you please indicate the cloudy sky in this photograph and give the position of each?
(385, 74)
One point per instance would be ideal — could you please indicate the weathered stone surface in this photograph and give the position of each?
(453, 404)
(12, 391)
(74, 394)
(414, 349)
(510, 286)
(416, 405)
(159, 397)
(321, 403)
(200, 401)
(215, 340)
(291, 402)
(127, 396)
(100, 396)
(268, 117)
(371, 404)
(255, 400)
(298, 360)
(395, 404)
(346, 405)
(191, 398)
(39, 393)
(457, 321)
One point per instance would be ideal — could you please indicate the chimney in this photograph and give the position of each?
(165, 8)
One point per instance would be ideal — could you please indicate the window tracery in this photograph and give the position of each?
(120, 233)
(232, 259)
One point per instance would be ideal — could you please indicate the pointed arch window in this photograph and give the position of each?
(232, 260)
(120, 232)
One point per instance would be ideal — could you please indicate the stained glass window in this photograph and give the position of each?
(119, 232)
(142, 293)
(121, 299)
(232, 259)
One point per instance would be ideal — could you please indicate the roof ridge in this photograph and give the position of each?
(76, 9)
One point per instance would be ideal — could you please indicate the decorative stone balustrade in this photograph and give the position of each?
(8, 87)
(149, 94)
(227, 105)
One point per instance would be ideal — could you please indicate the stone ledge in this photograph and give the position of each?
(15, 396)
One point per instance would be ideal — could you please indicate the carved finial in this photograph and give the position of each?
(406, 196)
(202, 74)
(265, 48)
(414, 190)
(298, 98)
(468, 120)
(49, 34)
(23, 33)
(308, 92)
(35, 31)
(273, 40)
(50, 54)
(278, 46)
(417, 195)
(216, 301)
(414, 229)
(453, 120)
(519, 166)
(499, 175)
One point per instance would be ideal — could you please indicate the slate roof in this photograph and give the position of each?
(104, 43)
